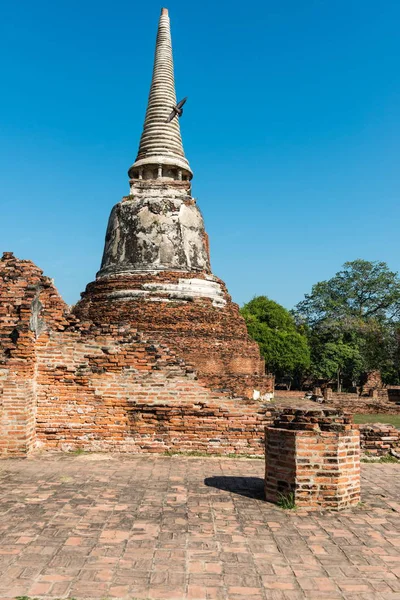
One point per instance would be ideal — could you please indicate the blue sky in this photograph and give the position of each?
(292, 128)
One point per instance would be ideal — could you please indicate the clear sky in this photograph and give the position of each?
(292, 128)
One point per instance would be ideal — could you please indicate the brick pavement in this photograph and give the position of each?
(102, 526)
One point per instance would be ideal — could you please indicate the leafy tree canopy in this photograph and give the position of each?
(338, 360)
(352, 321)
(283, 347)
(362, 291)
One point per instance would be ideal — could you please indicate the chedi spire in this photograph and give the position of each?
(161, 151)
(155, 274)
(158, 227)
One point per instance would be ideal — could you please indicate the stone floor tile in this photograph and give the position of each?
(148, 527)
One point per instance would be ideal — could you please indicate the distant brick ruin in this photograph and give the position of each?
(378, 400)
(380, 439)
(155, 356)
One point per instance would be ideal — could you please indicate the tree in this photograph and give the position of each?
(363, 291)
(284, 348)
(354, 316)
(338, 360)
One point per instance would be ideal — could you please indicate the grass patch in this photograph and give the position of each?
(387, 458)
(209, 454)
(378, 418)
(78, 451)
(286, 501)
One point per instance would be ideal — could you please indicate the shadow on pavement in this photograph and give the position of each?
(251, 487)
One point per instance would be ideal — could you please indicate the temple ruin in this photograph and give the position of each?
(155, 356)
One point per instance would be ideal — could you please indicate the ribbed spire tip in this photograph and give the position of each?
(164, 11)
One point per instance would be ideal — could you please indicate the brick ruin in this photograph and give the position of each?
(380, 439)
(155, 356)
(313, 458)
(385, 400)
(213, 339)
(67, 383)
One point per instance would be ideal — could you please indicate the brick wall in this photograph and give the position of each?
(114, 391)
(379, 438)
(214, 340)
(29, 304)
(353, 403)
(295, 394)
(371, 381)
(68, 383)
(314, 455)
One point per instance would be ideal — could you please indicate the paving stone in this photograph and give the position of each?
(215, 543)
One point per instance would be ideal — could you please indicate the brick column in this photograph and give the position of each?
(314, 455)
(18, 399)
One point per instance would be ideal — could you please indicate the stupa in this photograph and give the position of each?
(155, 356)
(156, 273)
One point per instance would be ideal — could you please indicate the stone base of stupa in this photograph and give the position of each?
(191, 313)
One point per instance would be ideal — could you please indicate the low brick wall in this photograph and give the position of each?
(362, 404)
(353, 403)
(385, 401)
(379, 438)
(314, 455)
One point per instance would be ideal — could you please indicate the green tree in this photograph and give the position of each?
(357, 311)
(338, 361)
(362, 291)
(283, 346)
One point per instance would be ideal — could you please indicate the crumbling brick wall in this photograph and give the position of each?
(379, 438)
(361, 404)
(371, 381)
(106, 389)
(29, 304)
(69, 383)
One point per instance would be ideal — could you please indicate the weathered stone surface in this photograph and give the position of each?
(159, 227)
(161, 151)
(155, 273)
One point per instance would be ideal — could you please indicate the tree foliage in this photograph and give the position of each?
(352, 322)
(362, 291)
(282, 343)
